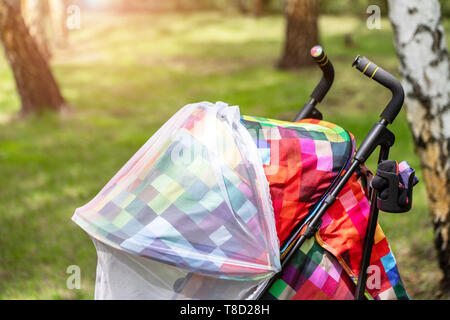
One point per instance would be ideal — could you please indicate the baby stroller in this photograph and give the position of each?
(222, 206)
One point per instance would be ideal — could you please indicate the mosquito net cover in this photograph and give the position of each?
(189, 216)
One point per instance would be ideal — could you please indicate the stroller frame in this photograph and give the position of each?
(379, 135)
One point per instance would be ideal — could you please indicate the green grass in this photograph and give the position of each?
(125, 76)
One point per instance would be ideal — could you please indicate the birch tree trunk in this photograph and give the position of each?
(302, 33)
(424, 66)
(35, 83)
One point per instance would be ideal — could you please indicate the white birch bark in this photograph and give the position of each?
(424, 67)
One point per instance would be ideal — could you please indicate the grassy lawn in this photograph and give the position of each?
(125, 76)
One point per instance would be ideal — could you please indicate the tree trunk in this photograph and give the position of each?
(424, 66)
(35, 83)
(58, 20)
(242, 6)
(301, 33)
(35, 15)
(258, 7)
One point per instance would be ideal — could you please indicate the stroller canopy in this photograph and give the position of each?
(194, 196)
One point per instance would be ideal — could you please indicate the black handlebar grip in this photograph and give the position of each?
(383, 77)
(328, 73)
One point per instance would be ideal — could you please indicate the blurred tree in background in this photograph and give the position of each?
(302, 33)
(59, 28)
(46, 22)
(35, 83)
(36, 15)
(255, 7)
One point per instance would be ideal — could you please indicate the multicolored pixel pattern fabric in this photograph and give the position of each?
(343, 228)
(300, 162)
(342, 234)
(312, 274)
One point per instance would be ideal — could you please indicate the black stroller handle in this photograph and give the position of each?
(383, 77)
(328, 73)
(309, 108)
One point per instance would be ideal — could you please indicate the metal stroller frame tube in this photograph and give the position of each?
(315, 223)
(379, 135)
(370, 234)
(388, 115)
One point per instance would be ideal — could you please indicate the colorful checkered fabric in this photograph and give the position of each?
(300, 161)
(342, 233)
(344, 224)
(312, 274)
(191, 202)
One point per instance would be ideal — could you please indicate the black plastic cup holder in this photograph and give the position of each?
(392, 198)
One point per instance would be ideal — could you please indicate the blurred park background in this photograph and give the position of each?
(127, 69)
